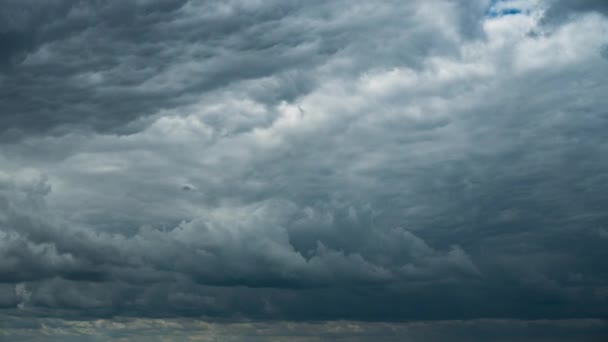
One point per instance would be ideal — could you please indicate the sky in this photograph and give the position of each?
(290, 170)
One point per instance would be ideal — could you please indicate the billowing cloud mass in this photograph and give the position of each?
(242, 170)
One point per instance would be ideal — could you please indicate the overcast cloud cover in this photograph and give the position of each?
(303, 170)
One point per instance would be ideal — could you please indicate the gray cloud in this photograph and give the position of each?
(303, 161)
(561, 10)
(61, 58)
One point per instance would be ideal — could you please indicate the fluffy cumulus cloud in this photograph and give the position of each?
(240, 169)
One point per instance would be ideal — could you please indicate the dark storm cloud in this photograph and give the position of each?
(251, 250)
(69, 61)
(106, 66)
(303, 161)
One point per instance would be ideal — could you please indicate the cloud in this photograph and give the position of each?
(302, 161)
(239, 246)
(122, 329)
(62, 56)
(561, 10)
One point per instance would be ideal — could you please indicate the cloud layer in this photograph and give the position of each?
(129, 329)
(304, 160)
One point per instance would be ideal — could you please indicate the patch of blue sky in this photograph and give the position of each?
(503, 12)
(499, 8)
